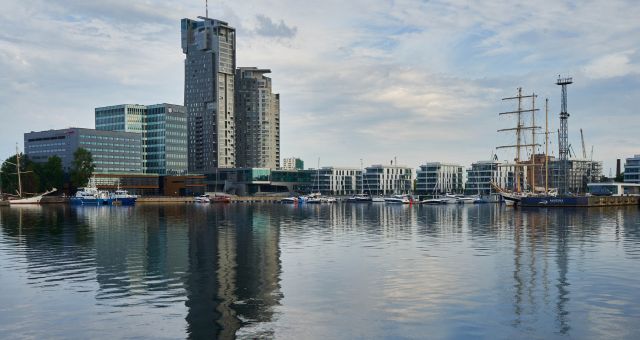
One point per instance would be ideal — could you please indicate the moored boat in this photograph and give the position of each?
(397, 199)
(122, 197)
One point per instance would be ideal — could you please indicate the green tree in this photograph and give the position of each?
(29, 175)
(82, 167)
(50, 173)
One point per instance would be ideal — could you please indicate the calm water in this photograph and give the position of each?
(319, 272)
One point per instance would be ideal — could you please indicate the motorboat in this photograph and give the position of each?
(377, 199)
(289, 200)
(397, 199)
(203, 199)
(122, 197)
(360, 198)
(434, 201)
(466, 200)
(329, 200)
(220, 199)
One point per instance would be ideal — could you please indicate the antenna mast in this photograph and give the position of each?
(206, 8)
(563, 137)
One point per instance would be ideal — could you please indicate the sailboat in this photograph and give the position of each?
(21, 197)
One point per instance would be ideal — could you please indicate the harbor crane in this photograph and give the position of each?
(584, 150)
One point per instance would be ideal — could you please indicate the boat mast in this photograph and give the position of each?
(533, 141)
(18, 171)
(519, 127)
(546, 145)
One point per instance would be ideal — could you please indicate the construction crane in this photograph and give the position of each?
(584, 150)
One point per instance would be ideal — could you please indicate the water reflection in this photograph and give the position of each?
(336, 271)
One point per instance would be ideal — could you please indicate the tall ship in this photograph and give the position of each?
(565, 193)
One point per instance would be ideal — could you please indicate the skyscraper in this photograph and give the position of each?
(257, 120)
(210, 49)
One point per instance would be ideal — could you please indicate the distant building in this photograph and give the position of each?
(292, 163)
(163, 128)
(257, 115)
(482, 174)
(439, 178)
(336, 181)
(632, 170)
(210, 49)
(580, 173)
(112, 151)
(387, 179)
(259, 181)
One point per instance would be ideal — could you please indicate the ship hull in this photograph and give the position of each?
(579, 201)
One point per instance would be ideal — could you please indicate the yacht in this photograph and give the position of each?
(397, 199)
(434, 201)
(203, 199)
(379, 199)
(360, 198)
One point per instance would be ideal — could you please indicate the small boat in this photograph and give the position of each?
(466, 200)
(221, 199)
(329, 200)
(360, 198)
(122, 197)
(314, 200)
(434, 201)
(203, 199)
(397, 199)
(377, 199)
(289, 200)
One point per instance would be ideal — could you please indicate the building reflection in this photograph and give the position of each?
(234, 269)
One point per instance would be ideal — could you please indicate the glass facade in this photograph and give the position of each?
(164, 133)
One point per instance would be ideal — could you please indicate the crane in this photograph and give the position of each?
(584, 150)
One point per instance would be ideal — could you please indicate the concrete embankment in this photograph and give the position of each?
(4, 203)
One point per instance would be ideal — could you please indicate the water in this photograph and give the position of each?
(318, 272)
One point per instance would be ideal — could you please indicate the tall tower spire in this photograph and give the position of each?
(206, 8)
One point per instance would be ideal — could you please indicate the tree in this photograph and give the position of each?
(82, 167)
(50, 173)
(9, 177)
(620, 177)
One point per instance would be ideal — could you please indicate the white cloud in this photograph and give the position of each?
(612, 65)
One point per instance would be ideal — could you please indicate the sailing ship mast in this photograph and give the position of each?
(520, 126)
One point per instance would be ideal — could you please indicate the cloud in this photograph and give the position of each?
(266, 27)
(612, 65)
(358, 79)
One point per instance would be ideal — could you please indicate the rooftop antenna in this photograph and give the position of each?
(206, 8)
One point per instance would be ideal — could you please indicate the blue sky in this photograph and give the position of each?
(372, 80)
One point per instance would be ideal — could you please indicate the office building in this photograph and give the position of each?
(437, 178)
(112, 151)
(164, 133)
(387, 179)
(483, 174)
(632, 169)
(292, 163)
(257, 114)
(336, 181)
(210, 47)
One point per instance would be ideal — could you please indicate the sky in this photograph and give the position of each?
(419, 81)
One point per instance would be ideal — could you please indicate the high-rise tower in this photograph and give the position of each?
(210, 49)
(257, 120)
